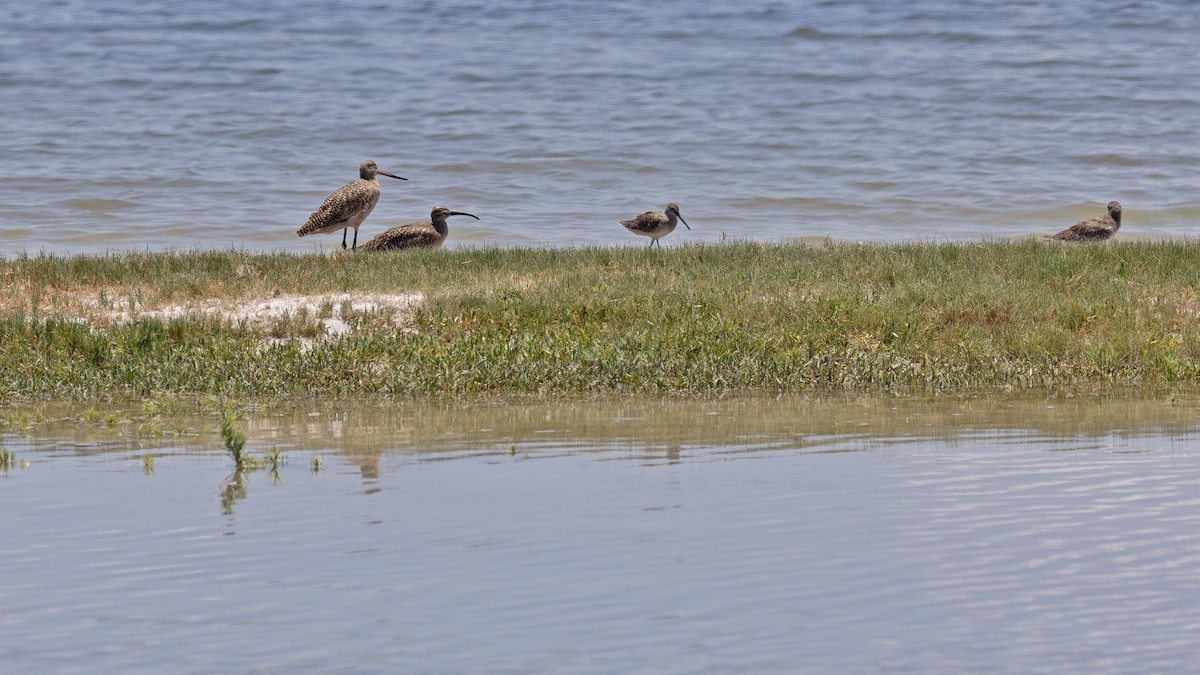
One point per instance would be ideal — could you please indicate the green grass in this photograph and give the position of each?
(235, 445)
(687, 320)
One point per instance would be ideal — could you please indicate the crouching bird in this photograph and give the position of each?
(1093, 229)
(430, 233)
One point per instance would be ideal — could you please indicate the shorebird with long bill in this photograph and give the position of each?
(349, 205)
(430, 233)
(656, 224)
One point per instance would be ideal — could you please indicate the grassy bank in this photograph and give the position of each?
(684, 320)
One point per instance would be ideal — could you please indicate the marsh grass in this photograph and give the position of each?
(685, 320)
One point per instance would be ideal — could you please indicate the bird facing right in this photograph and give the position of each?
(417, 234)
(349, 205)
(656, 224)
(1094, 229)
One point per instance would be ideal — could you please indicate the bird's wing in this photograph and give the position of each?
(1092, 228)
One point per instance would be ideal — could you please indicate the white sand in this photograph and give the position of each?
(261, 313)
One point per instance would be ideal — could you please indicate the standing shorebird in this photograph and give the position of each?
(656, 224)
(1094, 229)
(417, 234)
(349, 206)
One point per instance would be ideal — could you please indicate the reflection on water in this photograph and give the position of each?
(647, 426)
(782, 535)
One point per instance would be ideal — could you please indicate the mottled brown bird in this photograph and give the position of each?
(1094, 229)
(656, 224)
(417, 234)
(349, 206)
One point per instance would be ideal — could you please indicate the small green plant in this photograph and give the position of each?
(273, 458)
(91, 416)
(317, 463)
(148, 465)
(19, 420)
(150, 429)
(152, 407)
(235, 440)
(7, 459)
(235, 445)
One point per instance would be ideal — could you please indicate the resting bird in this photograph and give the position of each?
(656, 224)
(349, 206)
(417, 234)
(1094, 229)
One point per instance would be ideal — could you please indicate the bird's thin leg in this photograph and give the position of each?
(355, 247)
(344, 237)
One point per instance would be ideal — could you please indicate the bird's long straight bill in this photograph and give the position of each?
(390, 175)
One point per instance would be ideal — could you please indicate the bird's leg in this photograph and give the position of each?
(355, 246)
(344, 237)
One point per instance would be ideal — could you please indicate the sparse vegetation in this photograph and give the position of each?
(690, 320)
(235, 446)
(273, 458)
(7, 460)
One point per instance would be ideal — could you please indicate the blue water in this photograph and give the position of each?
(134, 125)
(775, 535)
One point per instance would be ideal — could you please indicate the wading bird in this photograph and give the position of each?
(1094, 229)
(656, 224)
(349, 206)
(430, 233)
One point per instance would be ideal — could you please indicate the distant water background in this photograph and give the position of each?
(187, 124)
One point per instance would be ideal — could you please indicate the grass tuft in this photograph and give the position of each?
(235, 446)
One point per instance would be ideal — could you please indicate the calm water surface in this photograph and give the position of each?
(781, 535)
(135, 125)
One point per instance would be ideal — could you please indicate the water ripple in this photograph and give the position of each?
(740, 116)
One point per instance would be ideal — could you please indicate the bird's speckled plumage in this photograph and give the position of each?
(656, 224)
(417, 234)
(349, 206)
(1094, 229)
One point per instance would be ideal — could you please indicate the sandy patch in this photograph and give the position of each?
(337, 314)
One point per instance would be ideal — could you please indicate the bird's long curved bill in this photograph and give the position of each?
(460, 213)
(683, 221)
(392, 175)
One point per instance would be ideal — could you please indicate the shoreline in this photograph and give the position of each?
(462, 240)
(690, 320)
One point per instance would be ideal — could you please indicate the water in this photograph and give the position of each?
(765, 535)
(155, 125)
